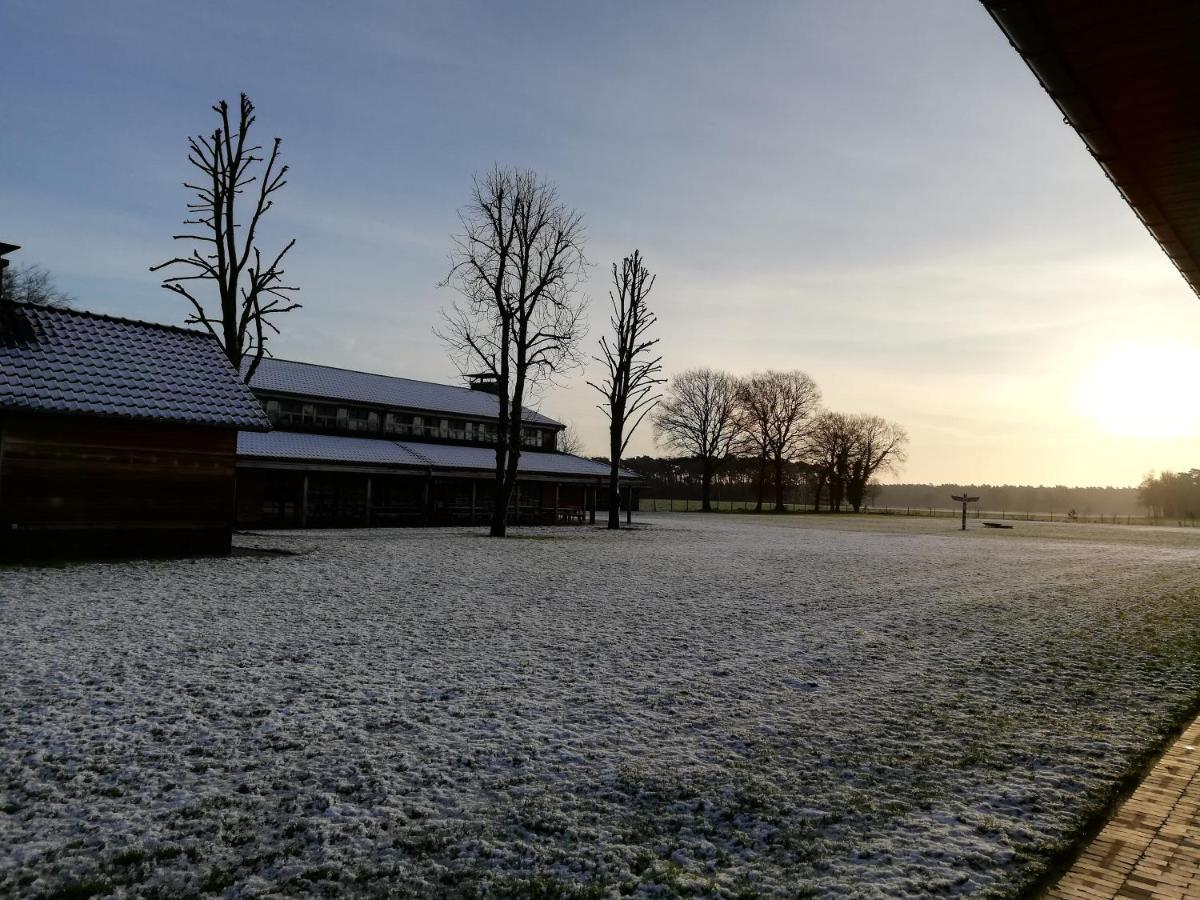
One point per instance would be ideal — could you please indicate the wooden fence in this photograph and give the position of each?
(653, 504)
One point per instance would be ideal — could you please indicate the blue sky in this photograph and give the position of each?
(877, 193)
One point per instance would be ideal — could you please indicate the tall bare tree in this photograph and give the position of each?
(878, 445)
(828, 447)
(250, 290)
(754, 410)
(699, 417)
(793, 402)
(630, 383)
(517, 265)
(777, 408)
(33, 285)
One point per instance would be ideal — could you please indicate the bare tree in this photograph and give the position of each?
(828, 446)
(33, 285)
(517, 266)
(794, 398)
(629, 386)
(250, 288)
(570, 441)
(754, 410)
(699, 417)
(878, 445)
(777, 408)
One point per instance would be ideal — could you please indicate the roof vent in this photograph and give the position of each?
(486, 382)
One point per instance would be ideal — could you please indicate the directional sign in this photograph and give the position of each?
(964, 500)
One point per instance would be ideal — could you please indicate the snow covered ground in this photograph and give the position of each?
(724, 706)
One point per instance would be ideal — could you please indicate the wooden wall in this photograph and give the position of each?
(72, 484)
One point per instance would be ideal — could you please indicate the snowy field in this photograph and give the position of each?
(726, 706)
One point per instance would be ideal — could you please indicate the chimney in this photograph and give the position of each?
(5, 249)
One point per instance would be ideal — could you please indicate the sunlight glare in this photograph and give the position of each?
(1146, 390)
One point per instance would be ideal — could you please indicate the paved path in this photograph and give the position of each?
(1151, 847)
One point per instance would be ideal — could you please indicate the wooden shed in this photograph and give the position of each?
(116, 436)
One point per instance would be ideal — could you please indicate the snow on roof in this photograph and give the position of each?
(298, 447)
(454, 456)
(72, 361)
(290, 445)
(311, 380)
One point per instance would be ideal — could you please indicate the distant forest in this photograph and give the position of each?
(736, 481)
(1015, 498)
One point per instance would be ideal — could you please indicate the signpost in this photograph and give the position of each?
(964, 500)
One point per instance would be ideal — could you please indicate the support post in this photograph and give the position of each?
(304, 501)
(427, 497)
(474, 489)
(592, 489)
(367, 505)
(554, 520)
(964, 500)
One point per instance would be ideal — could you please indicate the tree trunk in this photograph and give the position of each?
(706, 487)
(855, 492)
(762, 482)
(779, 507)
(499, 527)
(501, 493)
(614, 493)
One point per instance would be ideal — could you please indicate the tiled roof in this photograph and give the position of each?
(298, 447)
(455, 456)
(326, 448)
(70, 361)
(286, 376)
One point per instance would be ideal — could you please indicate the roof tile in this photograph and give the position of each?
(71, 361)
(286, 376)
(299, 447)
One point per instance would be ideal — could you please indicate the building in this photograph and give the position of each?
(116, 436)
(357, 449)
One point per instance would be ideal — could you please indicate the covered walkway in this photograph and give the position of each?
(1151, 847)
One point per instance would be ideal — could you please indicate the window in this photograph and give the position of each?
(320, 415)
(398, 423)
(288, 412)
(359, 419)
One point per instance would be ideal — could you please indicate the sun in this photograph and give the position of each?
(1146, 389)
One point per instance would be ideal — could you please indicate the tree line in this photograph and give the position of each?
(517, 265)
(1171, 495)
(1086, 501)
(679, 478)
(775, 420)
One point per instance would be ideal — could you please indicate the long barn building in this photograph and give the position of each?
(358, 449)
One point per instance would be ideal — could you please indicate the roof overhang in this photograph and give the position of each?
(1126, 76)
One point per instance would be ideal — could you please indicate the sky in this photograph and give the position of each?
(879, 194)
